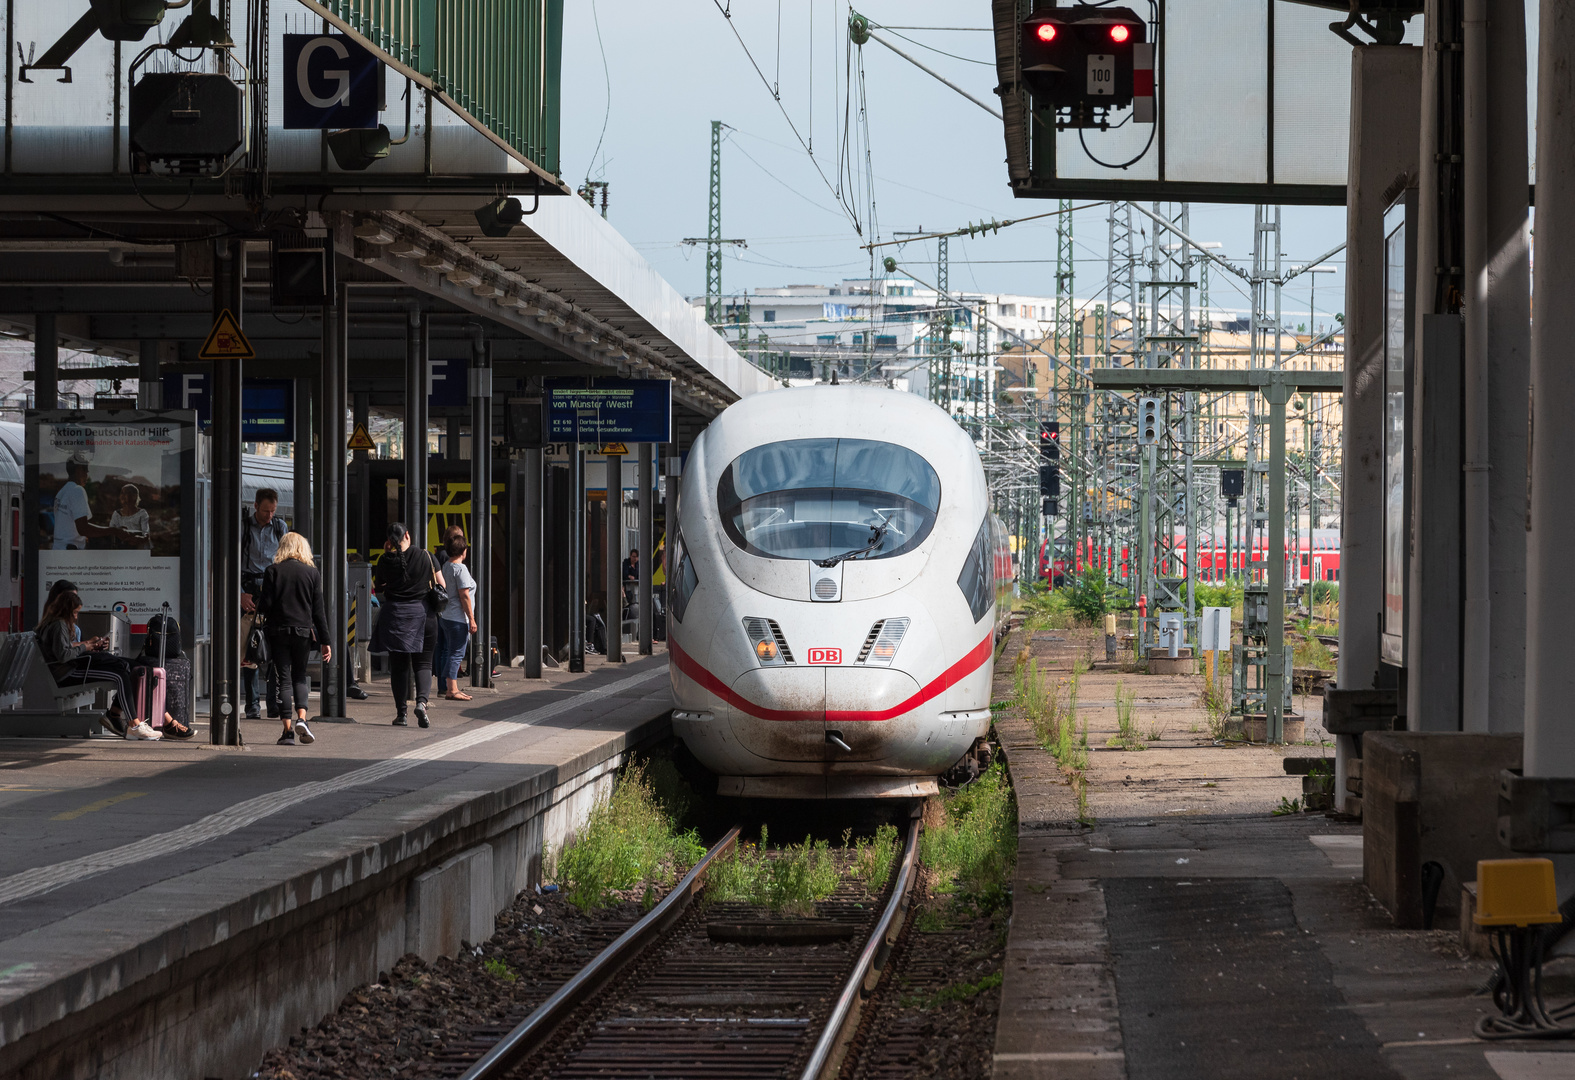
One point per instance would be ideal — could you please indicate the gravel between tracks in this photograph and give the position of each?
(423, 1020)
(431, 1020)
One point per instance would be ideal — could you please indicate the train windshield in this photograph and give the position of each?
(820, 499)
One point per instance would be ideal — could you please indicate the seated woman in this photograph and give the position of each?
(72, 663)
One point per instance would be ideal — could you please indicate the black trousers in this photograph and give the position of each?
(290, 652)
(105, 667)
(401, 666)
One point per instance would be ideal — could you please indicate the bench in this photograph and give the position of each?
(46, 708)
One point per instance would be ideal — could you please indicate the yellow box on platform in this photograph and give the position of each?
(1516, 892)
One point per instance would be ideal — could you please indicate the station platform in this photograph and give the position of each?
(177, 908)
(1175, 926)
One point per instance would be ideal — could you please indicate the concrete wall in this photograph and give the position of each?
(283, 957)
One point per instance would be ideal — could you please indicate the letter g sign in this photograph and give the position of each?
(331, 81)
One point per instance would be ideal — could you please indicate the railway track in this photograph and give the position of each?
(721, 994)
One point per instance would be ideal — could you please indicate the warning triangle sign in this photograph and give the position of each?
(616, 448)
(225, 341)
(360, 440)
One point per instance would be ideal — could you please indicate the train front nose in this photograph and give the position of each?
(778, 713)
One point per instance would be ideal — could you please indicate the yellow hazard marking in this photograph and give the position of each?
(226, 341)
(95, 807)
(614, 448)
(360, 440)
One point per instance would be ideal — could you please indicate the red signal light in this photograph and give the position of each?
(1120, 33)
(1046, 32)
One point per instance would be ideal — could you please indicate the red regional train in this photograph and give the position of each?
(1320, 558)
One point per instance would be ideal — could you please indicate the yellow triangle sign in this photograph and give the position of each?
(615, 448)
(226, 341)
(360, 440)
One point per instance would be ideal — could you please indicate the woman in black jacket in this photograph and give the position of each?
(292, 601)
(406, 625)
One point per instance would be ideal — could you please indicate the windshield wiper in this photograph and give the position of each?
(877, 534)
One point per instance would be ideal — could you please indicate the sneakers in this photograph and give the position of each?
(115, 724)
(144, 731)
(303, 732)
(253, 712)
(357, 693)
(421, 714)
(287, 739)
(399, 721)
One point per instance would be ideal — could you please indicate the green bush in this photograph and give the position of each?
(1091, 597)
(791, 881)
(874, 858)
(972, 851)
(1217, 594)
(626, 841)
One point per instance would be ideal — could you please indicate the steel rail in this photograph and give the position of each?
(825, 1060)
(517, 1044)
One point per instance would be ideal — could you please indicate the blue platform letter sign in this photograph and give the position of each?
(330, 81)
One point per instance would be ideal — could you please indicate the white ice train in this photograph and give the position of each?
(837, 586)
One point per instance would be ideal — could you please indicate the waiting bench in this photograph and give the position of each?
(33, 706)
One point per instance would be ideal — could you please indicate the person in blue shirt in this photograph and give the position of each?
(457, 620)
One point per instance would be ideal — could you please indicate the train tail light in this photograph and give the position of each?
(880, 646)
(767, 640)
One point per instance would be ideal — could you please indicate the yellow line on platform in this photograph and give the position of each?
(102, 804)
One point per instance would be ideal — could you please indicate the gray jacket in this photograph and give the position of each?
(60, 652)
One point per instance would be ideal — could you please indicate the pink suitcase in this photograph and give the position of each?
(152, 682)
(149, 691)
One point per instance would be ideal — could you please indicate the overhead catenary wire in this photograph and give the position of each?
(852, 215)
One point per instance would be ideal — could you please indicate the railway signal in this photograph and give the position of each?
(1081, 62)
(1149, 424)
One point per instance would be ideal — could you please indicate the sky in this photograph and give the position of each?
(642, 122)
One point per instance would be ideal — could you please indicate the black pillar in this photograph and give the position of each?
(533, 540)
(481, 509)
(647, 544)
(332, 437)
(229, 270)
(46, 362)
(415, 426)
(614, 567)
(577, 559)
(361, 413)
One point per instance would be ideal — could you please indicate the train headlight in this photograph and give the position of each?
(880, 647)
(765, 636)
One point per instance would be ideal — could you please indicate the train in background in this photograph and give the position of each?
(1320, 559)
(837, 585)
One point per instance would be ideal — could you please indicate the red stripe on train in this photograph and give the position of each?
(953, 675)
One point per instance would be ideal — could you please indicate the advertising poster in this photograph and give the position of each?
(109, 509)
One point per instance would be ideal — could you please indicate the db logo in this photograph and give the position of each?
(825, 656)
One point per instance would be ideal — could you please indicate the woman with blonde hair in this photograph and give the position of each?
(292, 600)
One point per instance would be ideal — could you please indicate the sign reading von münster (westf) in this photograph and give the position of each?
(609, 410)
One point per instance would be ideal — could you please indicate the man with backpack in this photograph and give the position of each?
(261, 531)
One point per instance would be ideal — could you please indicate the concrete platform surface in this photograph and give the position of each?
(1172, 926)
(130, 870)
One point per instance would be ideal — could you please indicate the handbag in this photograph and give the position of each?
(257, 643)
(437, 593)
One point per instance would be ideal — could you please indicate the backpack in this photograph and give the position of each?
(166, 627)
